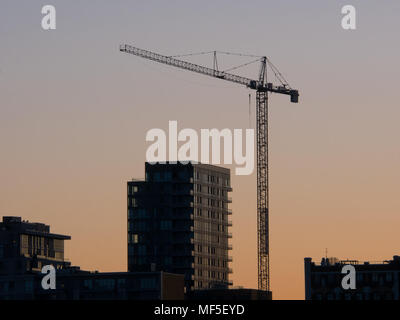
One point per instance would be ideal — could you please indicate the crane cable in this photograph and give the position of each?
(277, 74)
(239, 54)
(191, 54)
(274, 69)
(242, 65)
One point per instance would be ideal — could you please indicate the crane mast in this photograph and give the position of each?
(262, 88)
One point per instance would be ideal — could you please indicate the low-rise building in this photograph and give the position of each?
(75, 284)
(373, 280)
(25, 248)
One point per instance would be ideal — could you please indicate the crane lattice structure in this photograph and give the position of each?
(262, 88)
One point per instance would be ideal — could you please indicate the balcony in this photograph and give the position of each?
(228, 200)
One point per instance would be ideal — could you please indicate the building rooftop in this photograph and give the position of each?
(217, 168)
(16, 224)
(333, 261)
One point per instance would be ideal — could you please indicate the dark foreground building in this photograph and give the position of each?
(229, 295)
(374, 280)
(178, 223)
(26, 247)
(74, 284)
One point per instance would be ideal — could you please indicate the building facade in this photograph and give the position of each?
(26, 246)
(373, 280)
(75, 284)
(178, 222)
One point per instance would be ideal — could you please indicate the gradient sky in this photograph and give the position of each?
(74, 112)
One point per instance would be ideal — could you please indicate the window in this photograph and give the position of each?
(148, 283)
(168, 176)
(377, 296)
(88, 284)
(105, 283)
(142, 250)
(138, 225)
(141, 212)
(166, 225)
(28, 286)
(121, 283)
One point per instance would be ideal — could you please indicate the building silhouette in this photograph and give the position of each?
(26, 247)
(178, 223)
(374, 280)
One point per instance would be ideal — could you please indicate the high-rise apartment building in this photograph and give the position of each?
(178, 222)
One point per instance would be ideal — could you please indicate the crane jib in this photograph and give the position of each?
(252, 84)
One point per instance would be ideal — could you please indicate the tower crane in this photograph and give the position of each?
(262, 88)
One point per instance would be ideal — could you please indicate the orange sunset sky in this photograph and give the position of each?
(74, 113)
